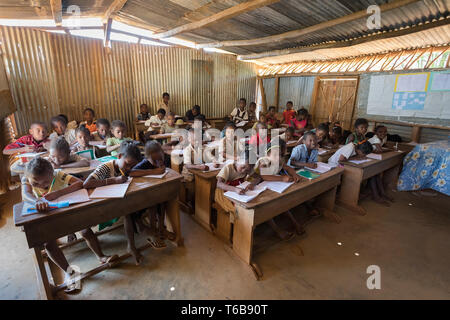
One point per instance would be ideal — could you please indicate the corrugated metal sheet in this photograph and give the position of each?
(296, 89)
(53, 73)
(269, 89)
(432, 134)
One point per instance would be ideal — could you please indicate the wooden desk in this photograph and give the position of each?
(270, 204)
(142, 193)
(355, 174)
(327, 155)
(205, 187)
(82, 171)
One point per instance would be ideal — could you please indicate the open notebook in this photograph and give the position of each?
(321, 167)
(111, 191)
(247, 197)
(75, 197)
(157, 176)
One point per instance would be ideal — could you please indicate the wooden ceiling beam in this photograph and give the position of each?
(56, 6)
(349, 43)
(295, 34)
(107, 33)
(220, 16)
(113, 8)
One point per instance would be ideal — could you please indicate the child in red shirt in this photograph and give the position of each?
(32, 142)
(289, 113)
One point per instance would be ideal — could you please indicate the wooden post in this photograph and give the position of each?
(277, 92)
(263, 95)
(415, 134)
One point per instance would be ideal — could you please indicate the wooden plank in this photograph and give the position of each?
(114, 7)
(277, 92)
(223, 15)
(45, 288)
(263, 95)
(296, 34)
(107, 33)
(56, 6)
(415, 134)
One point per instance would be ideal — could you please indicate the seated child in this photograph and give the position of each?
(289, 113)
(300, 123)
(35, 141)
(193, 156)
(119, 131)
(103, 130)
(305, 155)
(262, 119)
(89, 122)
(169, 126)
(83, 138)
(60, 156)
(322, 134)
(272, 121)
(240, 113)
(230, 147)
(252, 112)
(143, 115)
(259, 140)
(116, 172)
(153, 164)
(359, 135)
(42, 184)
(59, 125)
(379, 139)
(344, 153)
(274, 168)
(70, 124)
(336, 136)
(288, 135)
(192, 114)
(232, 175)
(156, 121)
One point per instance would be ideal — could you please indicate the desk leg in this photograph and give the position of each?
(390, 177)
(45, 288)
(173, 217)
(350, 187)
(203, 201)
(243, 238)
(325, 202)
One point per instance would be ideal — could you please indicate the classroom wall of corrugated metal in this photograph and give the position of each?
(51, 73)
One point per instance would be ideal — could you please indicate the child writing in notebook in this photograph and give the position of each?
(103, 130)
(35, 141)
(89, 122)
(273, 167)
(153, 164)
(359, 135)
(358, 151)
(119, 131)
(42, 184)
(59, 125)
(379, 139)
(60, 156)
(116, 172)
(305, 155)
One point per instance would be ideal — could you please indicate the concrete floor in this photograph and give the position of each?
(410, 242)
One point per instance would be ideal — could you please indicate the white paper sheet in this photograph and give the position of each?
(157, 176)
(321, 167)
(30, 154)
(111, 191)
(247, 197)
(212, 168)
(277, 186)
(98, 144)
(322, 151)
(78, 196)
(360, 161)
(375, 156)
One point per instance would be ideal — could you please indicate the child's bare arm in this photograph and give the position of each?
(74, 185)
(222, 185)
(140, 173)
(112, 148)
(299, 164)
(292, 173)
(91, 182)
(27, 193)
(196, 166)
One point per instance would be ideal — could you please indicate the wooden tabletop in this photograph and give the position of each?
(205, 174)
(269, 195)
(385, 156)
(137, 184)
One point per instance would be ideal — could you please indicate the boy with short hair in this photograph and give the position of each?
(289, 113)
(89, 119)
(240, 113)
(305, 155)
(143, 115)
(157, 120)
(35, 141)
(59, 125)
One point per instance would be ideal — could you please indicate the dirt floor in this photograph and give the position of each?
(409, 241)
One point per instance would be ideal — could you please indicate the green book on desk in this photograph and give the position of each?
(307, 174)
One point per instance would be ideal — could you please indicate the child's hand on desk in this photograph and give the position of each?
(296, 178)
(50, 196)
(204, 167)
(42, 205)
(216, 165)
(311, 165)
(287, 179)
(120, 179)
(160, 170)
(240, 191)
